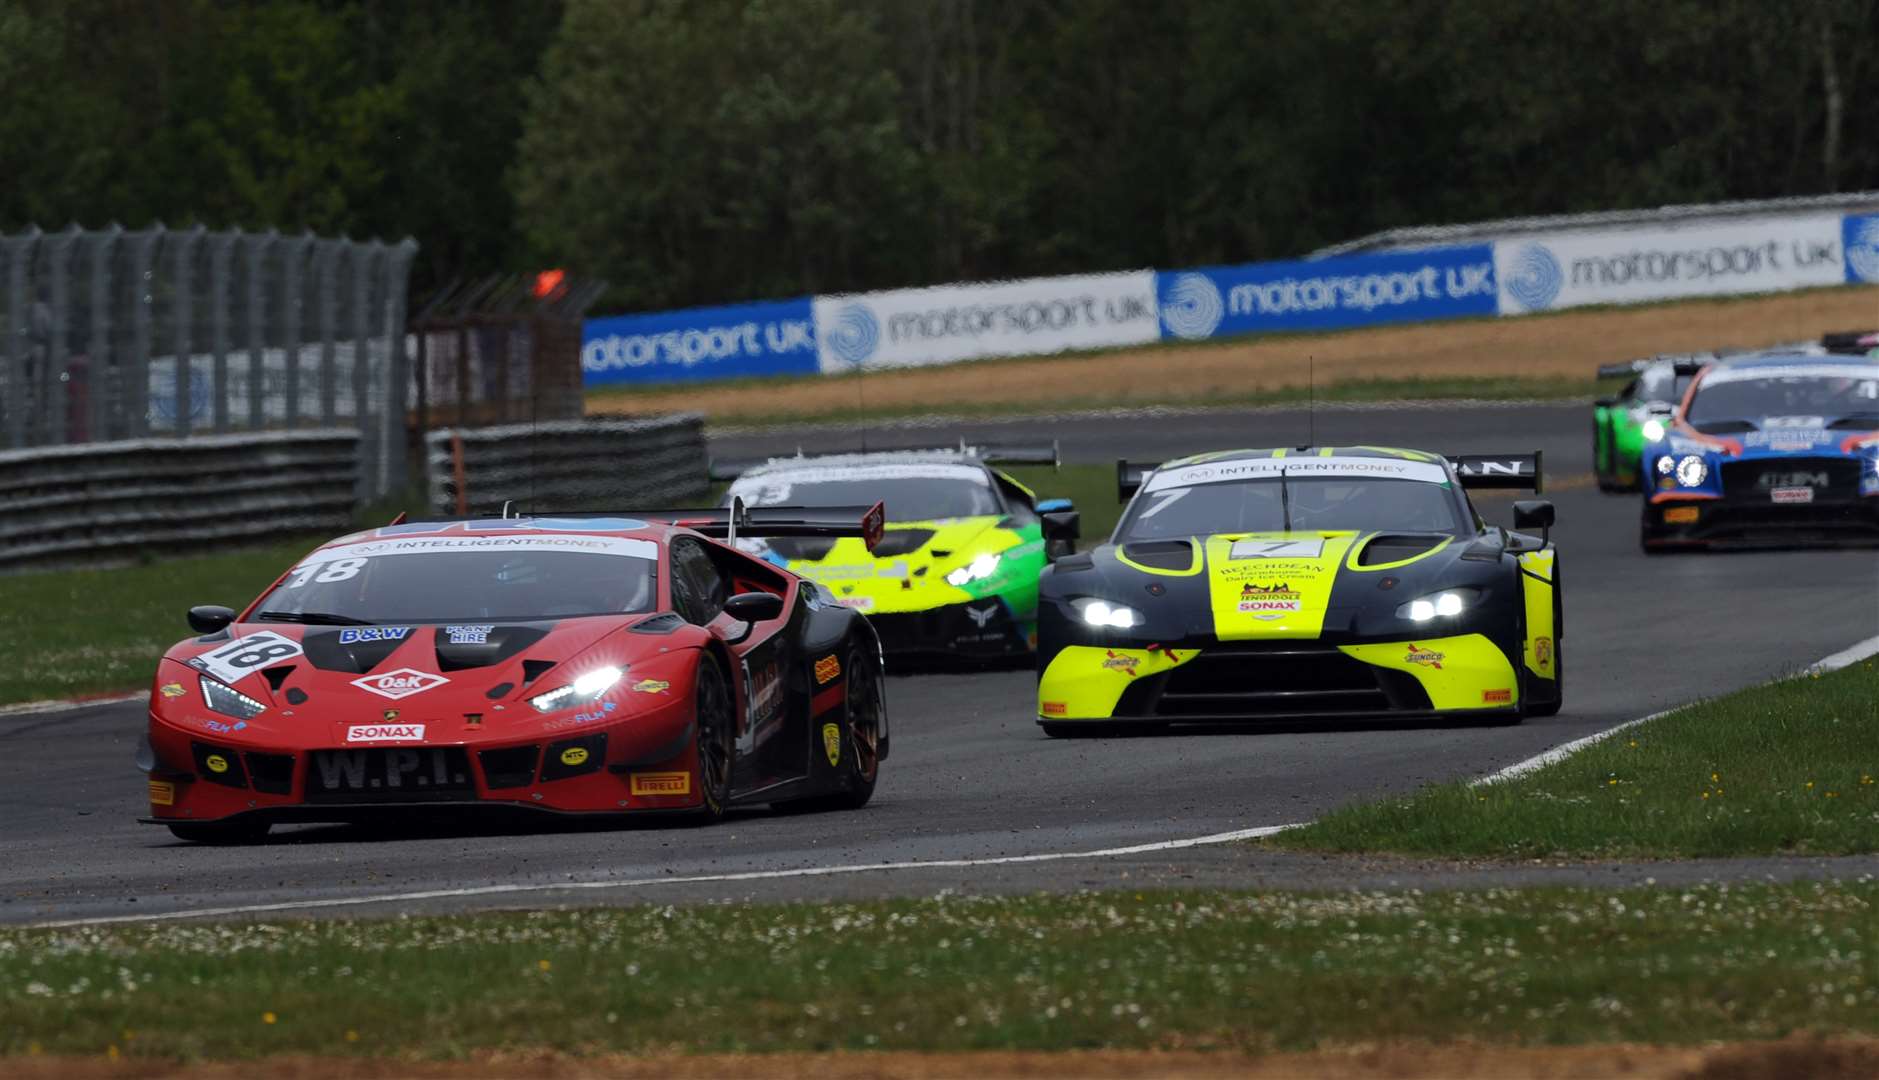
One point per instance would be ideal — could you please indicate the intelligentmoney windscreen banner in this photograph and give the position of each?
(1328, 294)
(742, 340)
(1550, 271)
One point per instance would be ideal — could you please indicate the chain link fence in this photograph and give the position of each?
(113, 334)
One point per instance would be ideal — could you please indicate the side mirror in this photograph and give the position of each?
(1660, 408)
(752, 607)
(208, 618)
(1061, 529)
(1053, 506)
(1534, 514)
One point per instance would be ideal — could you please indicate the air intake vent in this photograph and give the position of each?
(275, 676)
(1392, 549)
(1161, 554)
(896, 542)
(534, 669)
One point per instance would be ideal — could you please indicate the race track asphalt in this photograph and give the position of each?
(970, 777)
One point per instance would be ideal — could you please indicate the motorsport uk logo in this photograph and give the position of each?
(1533, 277)
(1191, 307)
(1860, 239)
(855, 334)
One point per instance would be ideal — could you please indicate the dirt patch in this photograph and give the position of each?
(1566, 345)
(1816, 1059)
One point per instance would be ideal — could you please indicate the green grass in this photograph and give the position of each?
(1790, 767)
(1419, 388)
(1091, 487)
(1190, 969)
(72, 632)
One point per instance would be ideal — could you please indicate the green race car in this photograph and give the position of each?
(956, 571)
(1622, 423)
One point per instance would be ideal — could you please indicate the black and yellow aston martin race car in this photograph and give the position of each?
(1318, 583)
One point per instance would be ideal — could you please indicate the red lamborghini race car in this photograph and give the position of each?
(568, 664)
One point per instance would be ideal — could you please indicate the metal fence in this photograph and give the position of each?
(500, 350)
(569, 465)
(105, 502)
(111, 334)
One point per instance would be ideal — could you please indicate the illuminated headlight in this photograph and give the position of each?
(1692, 471)
(1653, 429)
(1105, 614)
(977, 570)
(229, 701)
(1666, 465)
(582, 690)
(1442, 605)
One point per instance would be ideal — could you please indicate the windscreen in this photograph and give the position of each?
(1825, 392)
(1302, 503)
(907, 495)
(519, 582)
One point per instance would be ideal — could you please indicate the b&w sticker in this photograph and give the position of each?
(246, 655)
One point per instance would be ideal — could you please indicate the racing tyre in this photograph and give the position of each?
(221, 833)
(716, 711)
(866, 701)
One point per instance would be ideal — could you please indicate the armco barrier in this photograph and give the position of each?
(568, 465)
(107, 502)
(700, 343)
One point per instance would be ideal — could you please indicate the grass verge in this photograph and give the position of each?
(1789, 767)
(1190, 970)
(73, 632)
(849, 402)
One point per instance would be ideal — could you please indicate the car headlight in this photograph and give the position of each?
(1692, 471)
(229, 701)
(1666, 465)
(1105, 614)
(586, 688)
(978, 569)
(1653, 429)
(1442, 605)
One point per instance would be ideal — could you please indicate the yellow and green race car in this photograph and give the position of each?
(955, 573)
(1315, 583)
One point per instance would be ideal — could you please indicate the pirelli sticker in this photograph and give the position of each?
(662, 783)
(828, 669)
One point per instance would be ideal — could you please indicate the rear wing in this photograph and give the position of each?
(1854, 342)
(1129, 477)
(1684, 363)
(1626, 369)
(1516, 472)
(728, 523)
(989, 454)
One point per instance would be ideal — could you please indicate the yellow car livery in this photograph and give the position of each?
(1312, 583)
(956, 570)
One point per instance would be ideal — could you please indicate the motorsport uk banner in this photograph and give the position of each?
(1550, 271)
(1328, 294)
(743, 340)
(1036, 316)
(949, 323)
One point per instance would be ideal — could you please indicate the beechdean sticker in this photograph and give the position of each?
(399, 684)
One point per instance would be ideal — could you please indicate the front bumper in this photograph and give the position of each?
(977, 629)
(646, 761)
(1671, 521)
(1240, 681)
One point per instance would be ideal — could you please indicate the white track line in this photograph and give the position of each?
(33, 708)
(1843, 658)
(697, 879)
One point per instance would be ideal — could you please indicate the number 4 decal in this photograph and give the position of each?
(246, 655)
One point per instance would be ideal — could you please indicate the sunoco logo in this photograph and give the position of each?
(855, 335)
(1862, 248)
(1192, 307)
(398, 684)
(1534, 278)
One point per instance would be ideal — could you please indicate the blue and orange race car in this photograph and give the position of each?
(1776, 447)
